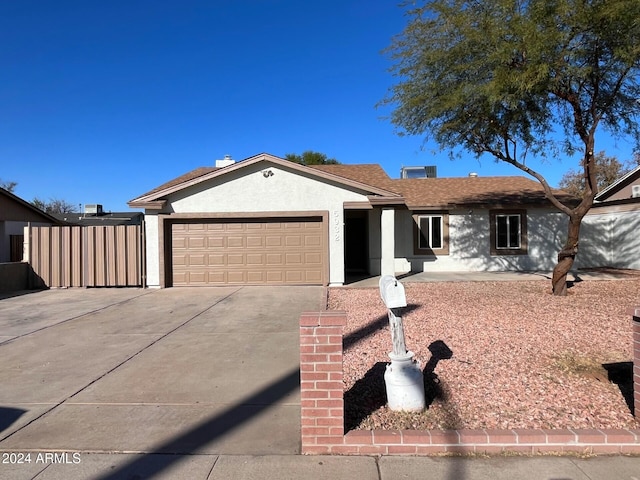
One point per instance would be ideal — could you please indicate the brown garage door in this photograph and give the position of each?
(277, 251)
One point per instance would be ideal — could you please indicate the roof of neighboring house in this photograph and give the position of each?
(415, 193)
(613, 191)
(14, 208)
(116, 218)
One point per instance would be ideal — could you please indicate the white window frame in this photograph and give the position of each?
(508, 217)
(429, 237)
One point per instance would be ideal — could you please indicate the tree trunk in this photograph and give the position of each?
(566, 257)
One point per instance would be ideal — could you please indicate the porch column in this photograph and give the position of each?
(387, 242)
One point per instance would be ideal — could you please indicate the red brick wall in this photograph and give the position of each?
(635, 315)
(322, 410)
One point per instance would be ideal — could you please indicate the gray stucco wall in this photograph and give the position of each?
(610, 240)
(469, 243)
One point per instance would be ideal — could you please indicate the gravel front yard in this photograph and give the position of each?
(496, 355)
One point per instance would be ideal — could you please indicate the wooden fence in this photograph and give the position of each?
(74, 256)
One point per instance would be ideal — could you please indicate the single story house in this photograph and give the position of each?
(15, 214)
(611, 230)
(265, 220)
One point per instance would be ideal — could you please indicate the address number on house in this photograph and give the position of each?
(336, 226)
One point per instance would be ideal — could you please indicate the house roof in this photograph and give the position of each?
(14, 208)
(415, 193)
(369, 173)
(465, 191)
(156, 198)
(192, 175)
(618, 185)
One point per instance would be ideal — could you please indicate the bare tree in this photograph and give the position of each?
(8, 186)
(54, 205)
(608, 170)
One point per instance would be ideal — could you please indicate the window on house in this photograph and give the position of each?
(508, 232)
(431, 234)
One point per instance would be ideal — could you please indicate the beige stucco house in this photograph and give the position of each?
(264, 220)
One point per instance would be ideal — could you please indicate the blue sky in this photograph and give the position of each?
(100, 101)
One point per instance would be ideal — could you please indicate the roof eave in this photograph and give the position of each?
(148, 204)
(380, 201)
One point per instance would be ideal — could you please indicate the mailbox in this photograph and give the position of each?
(392, 292)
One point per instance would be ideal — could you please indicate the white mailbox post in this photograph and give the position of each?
(403, 377)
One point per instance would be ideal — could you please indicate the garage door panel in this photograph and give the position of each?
(313, 258)
(275, 276)
(294, 258)
(236, 277)
(271, 241)
(248, 252)
(312, 240)
(293, 240)
(215, 241)
(255, 259)
(255, 242)
(235, 242)
(274, 259)
(255, 277)
(216, 259)
(217, 277)
(234, 259)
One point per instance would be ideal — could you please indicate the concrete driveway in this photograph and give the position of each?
(182, 370)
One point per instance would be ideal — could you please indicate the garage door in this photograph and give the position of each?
(277, 251)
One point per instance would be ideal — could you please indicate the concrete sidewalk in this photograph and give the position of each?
(293, 467)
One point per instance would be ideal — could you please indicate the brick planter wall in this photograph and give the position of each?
(322, 411)
(635, 318)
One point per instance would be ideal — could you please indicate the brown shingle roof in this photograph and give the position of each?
(198, 172)
(445, 192)
(367, 173)
(423, 192)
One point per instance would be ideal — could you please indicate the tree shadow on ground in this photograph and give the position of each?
(621, 373)
(369, 393)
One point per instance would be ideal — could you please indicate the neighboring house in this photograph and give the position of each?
(611, 229)
(265, 220)
(95, 216)
(15, 214)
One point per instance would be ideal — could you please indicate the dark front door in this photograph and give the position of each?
(356, 244)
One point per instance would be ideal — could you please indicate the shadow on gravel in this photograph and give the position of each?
(366, 396)
(369, 393)
(621, 373)
(432, 390)
(372, 327)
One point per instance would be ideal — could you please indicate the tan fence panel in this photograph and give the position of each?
(74, 256)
